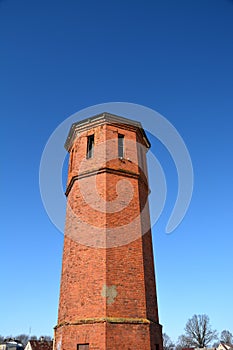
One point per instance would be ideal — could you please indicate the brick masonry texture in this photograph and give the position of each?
(108, 295)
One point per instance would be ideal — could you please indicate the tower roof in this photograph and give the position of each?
(103, 118)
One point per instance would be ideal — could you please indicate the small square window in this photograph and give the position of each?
(83, 347)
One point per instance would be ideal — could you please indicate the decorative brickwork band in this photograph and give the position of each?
(100, 171)
(116, 320)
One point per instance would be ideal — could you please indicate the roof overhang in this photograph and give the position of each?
(100, 119)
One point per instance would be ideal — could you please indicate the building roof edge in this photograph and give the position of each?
(104, 118)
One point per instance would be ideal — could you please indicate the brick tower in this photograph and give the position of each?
(108, 294)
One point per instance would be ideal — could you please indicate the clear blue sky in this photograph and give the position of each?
(57, 57)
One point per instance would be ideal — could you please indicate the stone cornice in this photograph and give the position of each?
(119, 172)
(100, 119)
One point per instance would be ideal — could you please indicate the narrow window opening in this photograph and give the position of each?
(71, 159)
(141, 158)
(90, 146)
(120, 145)
(83, 347)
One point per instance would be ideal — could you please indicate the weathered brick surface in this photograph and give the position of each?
(107, 294)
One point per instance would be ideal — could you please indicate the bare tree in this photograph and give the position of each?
(22, 338)
(215, 344)
(226, 337)
(167, 343)
(198, 332)
(182, 342)
(33, 337)
(1, 339)
(45, 337)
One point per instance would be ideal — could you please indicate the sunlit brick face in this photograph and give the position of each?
(107, 294)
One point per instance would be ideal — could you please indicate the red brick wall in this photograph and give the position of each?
(108, 336)
(107, 295)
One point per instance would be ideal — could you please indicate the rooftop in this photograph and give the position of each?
(103, 118)
(41, 345)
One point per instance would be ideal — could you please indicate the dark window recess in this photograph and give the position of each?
(120, 146)
(83, 347)
(157, 346)
(90, 146)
